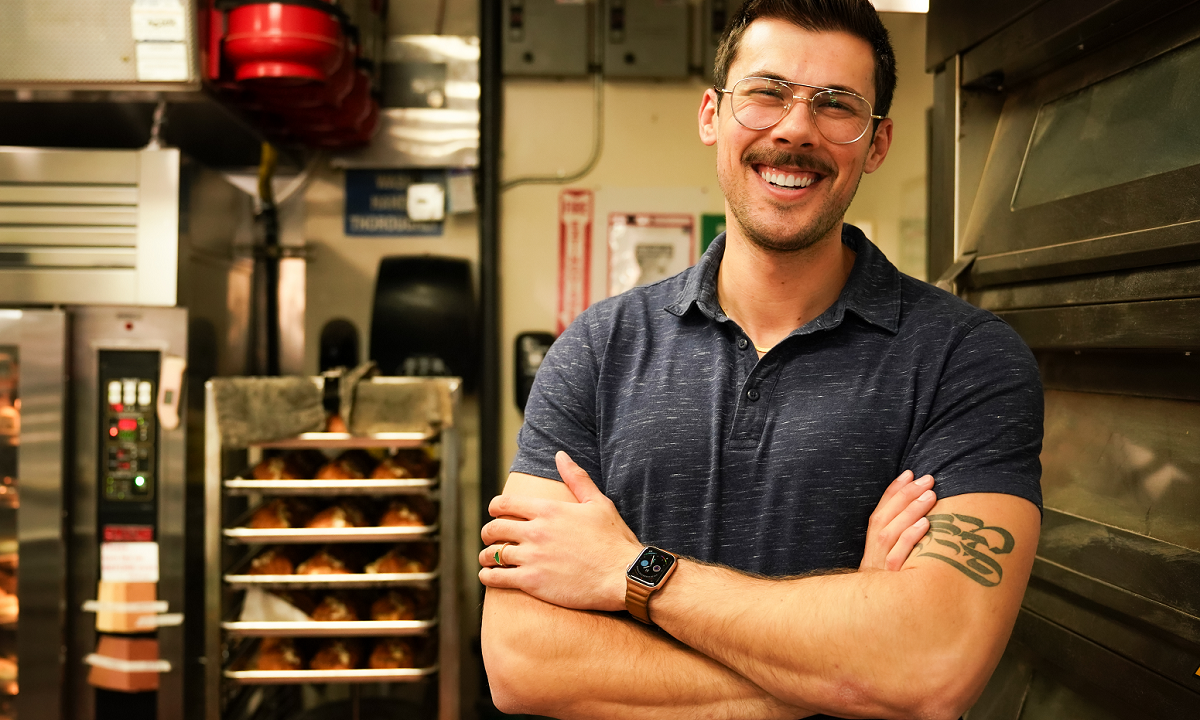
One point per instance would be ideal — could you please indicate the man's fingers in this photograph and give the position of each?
(518, 507)
(509, 578)
(499, 555)
(906, 542)
(498, 531)
(577, 480)
(895, 486)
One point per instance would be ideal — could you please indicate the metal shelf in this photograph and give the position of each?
(281, 536)
(314, 628)
(334, 581)
(297, 677)
(365, 486)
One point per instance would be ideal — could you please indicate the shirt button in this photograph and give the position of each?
(743, 343)
(752, 394)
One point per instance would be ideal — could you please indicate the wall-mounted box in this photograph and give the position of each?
(646, 38)
(715, 15)
(547, 37)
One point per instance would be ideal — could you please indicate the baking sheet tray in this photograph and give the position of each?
(314, 628)
(366, 486)
(329, 535)
(346, 440)
(336, 581)
(294, 677)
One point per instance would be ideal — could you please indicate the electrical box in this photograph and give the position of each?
(646, 38)
(715, 15)
(547, 37)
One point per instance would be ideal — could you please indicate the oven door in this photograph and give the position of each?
(32, 553)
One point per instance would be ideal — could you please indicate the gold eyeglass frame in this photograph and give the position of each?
(788, 108)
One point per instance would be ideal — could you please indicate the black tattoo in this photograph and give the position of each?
(965, 543)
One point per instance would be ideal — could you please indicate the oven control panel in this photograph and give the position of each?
(129, 439)
(128, 435)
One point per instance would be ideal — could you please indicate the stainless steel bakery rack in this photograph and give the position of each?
(232, 494)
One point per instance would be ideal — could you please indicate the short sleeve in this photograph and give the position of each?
(561, 412)
(983, 432)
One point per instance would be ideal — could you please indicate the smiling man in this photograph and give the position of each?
(737, 429)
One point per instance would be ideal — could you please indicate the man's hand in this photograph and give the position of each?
(569, 554)
(574, 554)
(898, 522)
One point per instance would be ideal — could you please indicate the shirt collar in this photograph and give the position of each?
(872, 291)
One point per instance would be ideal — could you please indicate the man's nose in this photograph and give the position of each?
(798, 126)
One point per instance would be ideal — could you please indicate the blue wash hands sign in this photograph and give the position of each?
(377, 202)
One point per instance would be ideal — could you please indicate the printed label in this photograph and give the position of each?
(130, 562)
(162, 62)
(160, 20)
(574, 254)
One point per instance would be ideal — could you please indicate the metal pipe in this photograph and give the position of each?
(490, 125)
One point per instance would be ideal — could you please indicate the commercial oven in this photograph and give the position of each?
(1065, 177)
(115, 265)
(92, 455)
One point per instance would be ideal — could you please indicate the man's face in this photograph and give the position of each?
(775, 217)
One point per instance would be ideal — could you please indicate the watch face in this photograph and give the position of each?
(651, 566)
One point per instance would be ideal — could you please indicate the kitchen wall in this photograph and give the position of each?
(651, 143)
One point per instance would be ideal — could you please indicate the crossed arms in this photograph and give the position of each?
(908, 635)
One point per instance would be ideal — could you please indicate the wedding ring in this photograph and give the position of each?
(499, 556)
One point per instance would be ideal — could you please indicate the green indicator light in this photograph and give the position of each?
(139, 481)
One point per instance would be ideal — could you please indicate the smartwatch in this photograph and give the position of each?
(648, 573)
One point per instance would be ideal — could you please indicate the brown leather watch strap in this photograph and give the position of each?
(637, 600)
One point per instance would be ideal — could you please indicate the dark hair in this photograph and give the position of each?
(856, 17)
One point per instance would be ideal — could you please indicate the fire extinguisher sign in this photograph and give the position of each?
(574, 254)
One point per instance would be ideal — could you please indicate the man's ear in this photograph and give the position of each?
(708, 117)
(880, 142)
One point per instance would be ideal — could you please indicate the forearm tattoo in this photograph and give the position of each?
(966, 544)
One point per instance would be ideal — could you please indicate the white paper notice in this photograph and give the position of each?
(161, 20)
(162, 62)
(129, 562)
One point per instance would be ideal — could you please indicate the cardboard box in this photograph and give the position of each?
(125, 592)
(121, 651)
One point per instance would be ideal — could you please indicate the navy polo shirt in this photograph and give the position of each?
(774, 465)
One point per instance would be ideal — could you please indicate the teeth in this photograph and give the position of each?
(787, 180)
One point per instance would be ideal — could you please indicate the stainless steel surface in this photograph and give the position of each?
(329, 535)
(1151, 324)
(1177, 280)
(73, 44)
(1125, 688)
(367, 486)
(40, 336)
(362, 628)
(430, 114)
(95, 328)
(158, 227)
(89, 227)
(348, 580)
(214, 559)
(1102, 283)
(295, 677)
(1128, 462)
(1135, 224)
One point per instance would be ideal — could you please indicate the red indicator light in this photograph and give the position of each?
(118, 407)
(127, 424)
(112, 432)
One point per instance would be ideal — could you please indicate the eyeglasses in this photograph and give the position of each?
(841, 116)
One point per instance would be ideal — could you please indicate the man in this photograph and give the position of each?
(748, 416)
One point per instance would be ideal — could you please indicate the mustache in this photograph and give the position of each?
(778, 158)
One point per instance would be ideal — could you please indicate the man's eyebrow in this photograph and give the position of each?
(776, 76)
